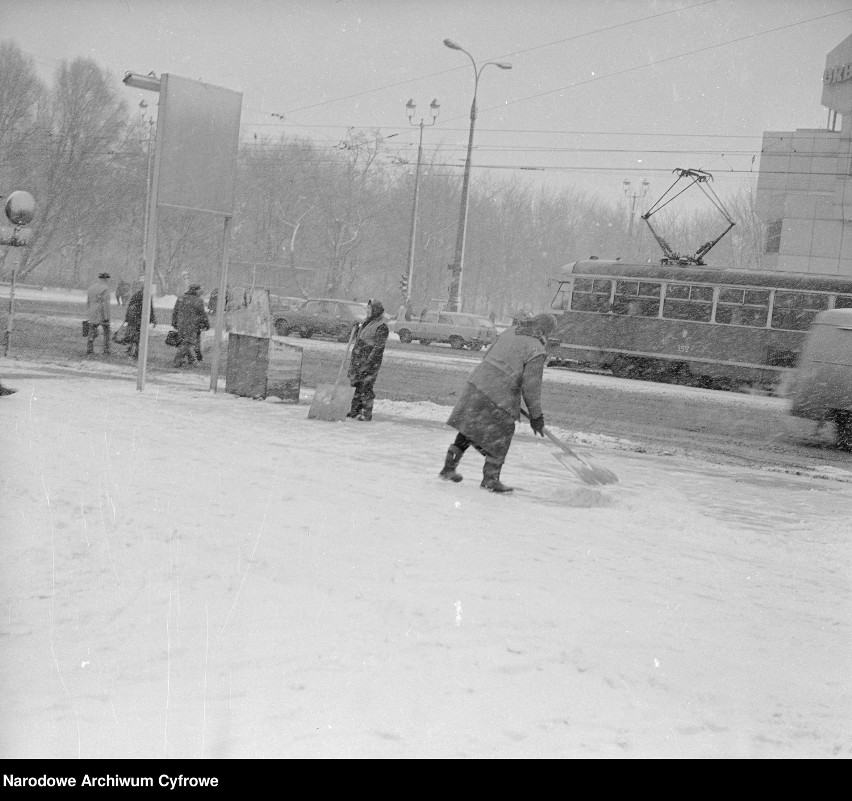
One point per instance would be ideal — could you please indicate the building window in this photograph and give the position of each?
(773, 236)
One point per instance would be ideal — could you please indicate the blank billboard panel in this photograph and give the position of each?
(197, 136)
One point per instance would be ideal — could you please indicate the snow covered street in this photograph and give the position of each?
(197, 575)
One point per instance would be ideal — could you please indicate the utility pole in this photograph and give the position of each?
(642, 190)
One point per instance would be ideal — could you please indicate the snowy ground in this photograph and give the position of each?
(193, 574)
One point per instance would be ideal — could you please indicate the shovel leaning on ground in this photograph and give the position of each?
(332, 401)
(585, 469)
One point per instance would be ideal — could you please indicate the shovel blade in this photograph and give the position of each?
(588, 472)
(331, 402)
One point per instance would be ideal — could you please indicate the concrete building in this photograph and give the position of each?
(804, 187)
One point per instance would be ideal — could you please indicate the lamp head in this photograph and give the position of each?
(504, 65)
(434, 108)
(410, 106)
(451, 44)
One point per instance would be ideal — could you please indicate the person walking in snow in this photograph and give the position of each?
(485, 414)
(367, 352)
(98, 312)
(133, 318)
(190, 319)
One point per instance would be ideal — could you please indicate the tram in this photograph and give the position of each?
(688, 323)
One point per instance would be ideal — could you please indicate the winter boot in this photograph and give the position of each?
(454, 456)
(491, 478)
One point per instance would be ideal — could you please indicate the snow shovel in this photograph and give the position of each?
(585, 469)
(332, 401)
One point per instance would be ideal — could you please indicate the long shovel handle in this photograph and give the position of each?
(346, 355)
(551, 436)
(587, 470)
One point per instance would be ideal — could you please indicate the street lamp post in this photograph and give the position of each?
(148, 83)
(434, 108)
(455, 295)
(143, 105)
(640, 193)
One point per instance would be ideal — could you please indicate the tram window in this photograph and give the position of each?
(843, 302)
(731, 296)
(733, 314)
(678, 292)
(591, 294)
(795, 311)
(703, 294)
(688, 302)
(742, 307)
(687, 310)
(801, 300)
(757, 297)
(637, 299)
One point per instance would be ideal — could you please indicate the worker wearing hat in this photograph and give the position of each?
(97, 313)
(190, 319)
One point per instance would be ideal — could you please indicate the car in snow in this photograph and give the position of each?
(821, 385)
(326, 317)
(454, 328)
(283, 303)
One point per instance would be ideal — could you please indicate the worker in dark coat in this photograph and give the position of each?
(367, 352)
(133, 318)
(485, 415)
(97, 310)
(190, 319)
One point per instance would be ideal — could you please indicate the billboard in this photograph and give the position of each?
(197, 138)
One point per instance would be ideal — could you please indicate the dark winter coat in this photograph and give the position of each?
(369, 346)
(511, 369)
(133, 316)
(98, 302)
(189, 317)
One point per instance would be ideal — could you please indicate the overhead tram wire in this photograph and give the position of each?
(659, 61)
(606, 29)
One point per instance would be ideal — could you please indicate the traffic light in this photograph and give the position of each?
(403, 283)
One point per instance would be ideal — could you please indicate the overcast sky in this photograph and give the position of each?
(599, 91)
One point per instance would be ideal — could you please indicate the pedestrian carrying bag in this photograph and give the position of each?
(120, 336)
(172, 339)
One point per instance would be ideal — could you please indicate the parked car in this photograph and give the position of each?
(455, 328)
(821, 385)
(282, 303)
(329, 317)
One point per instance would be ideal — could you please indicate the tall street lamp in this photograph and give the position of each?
(455, 295)
(434, 108)
(143, 106)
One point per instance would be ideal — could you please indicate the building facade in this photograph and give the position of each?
(804, 186)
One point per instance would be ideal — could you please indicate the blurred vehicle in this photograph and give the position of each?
(454, 328)
(328, 317)
(282, 303)
(821, 386)
(693, 325)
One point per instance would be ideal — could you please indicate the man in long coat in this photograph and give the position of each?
(97, 312)
(367, 354)
(133, 318)
(485, 415)
(190, 319)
